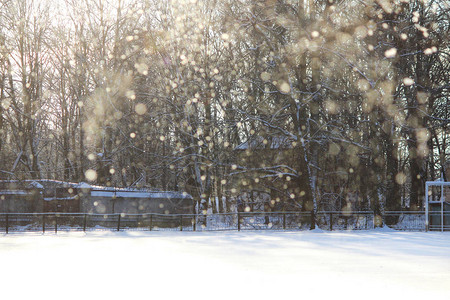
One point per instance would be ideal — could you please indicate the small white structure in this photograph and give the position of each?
(442, 202)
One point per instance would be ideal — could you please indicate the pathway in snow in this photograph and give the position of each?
(226, 265)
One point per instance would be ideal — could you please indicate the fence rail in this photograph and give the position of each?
(326, 220)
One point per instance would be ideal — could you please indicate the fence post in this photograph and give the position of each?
(239, 221)
(195, 222)
(373, 220)
(151, 222)
(181, 222)
(43, 223)
(313, 219)
(7, 223)
(367, 220)
(118, 223)
(84, 222)
(331, 221)
(284, 221)
(56, 224)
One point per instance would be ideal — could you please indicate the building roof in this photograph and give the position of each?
(130, 193)
(36, 184)
(270, 142)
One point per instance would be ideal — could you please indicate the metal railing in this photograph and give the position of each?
(326, 220)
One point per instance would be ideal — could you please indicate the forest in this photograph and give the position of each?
(311, 102)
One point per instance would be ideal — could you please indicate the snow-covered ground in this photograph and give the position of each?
(225, 265)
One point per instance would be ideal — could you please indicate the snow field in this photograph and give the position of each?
(226, 265)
